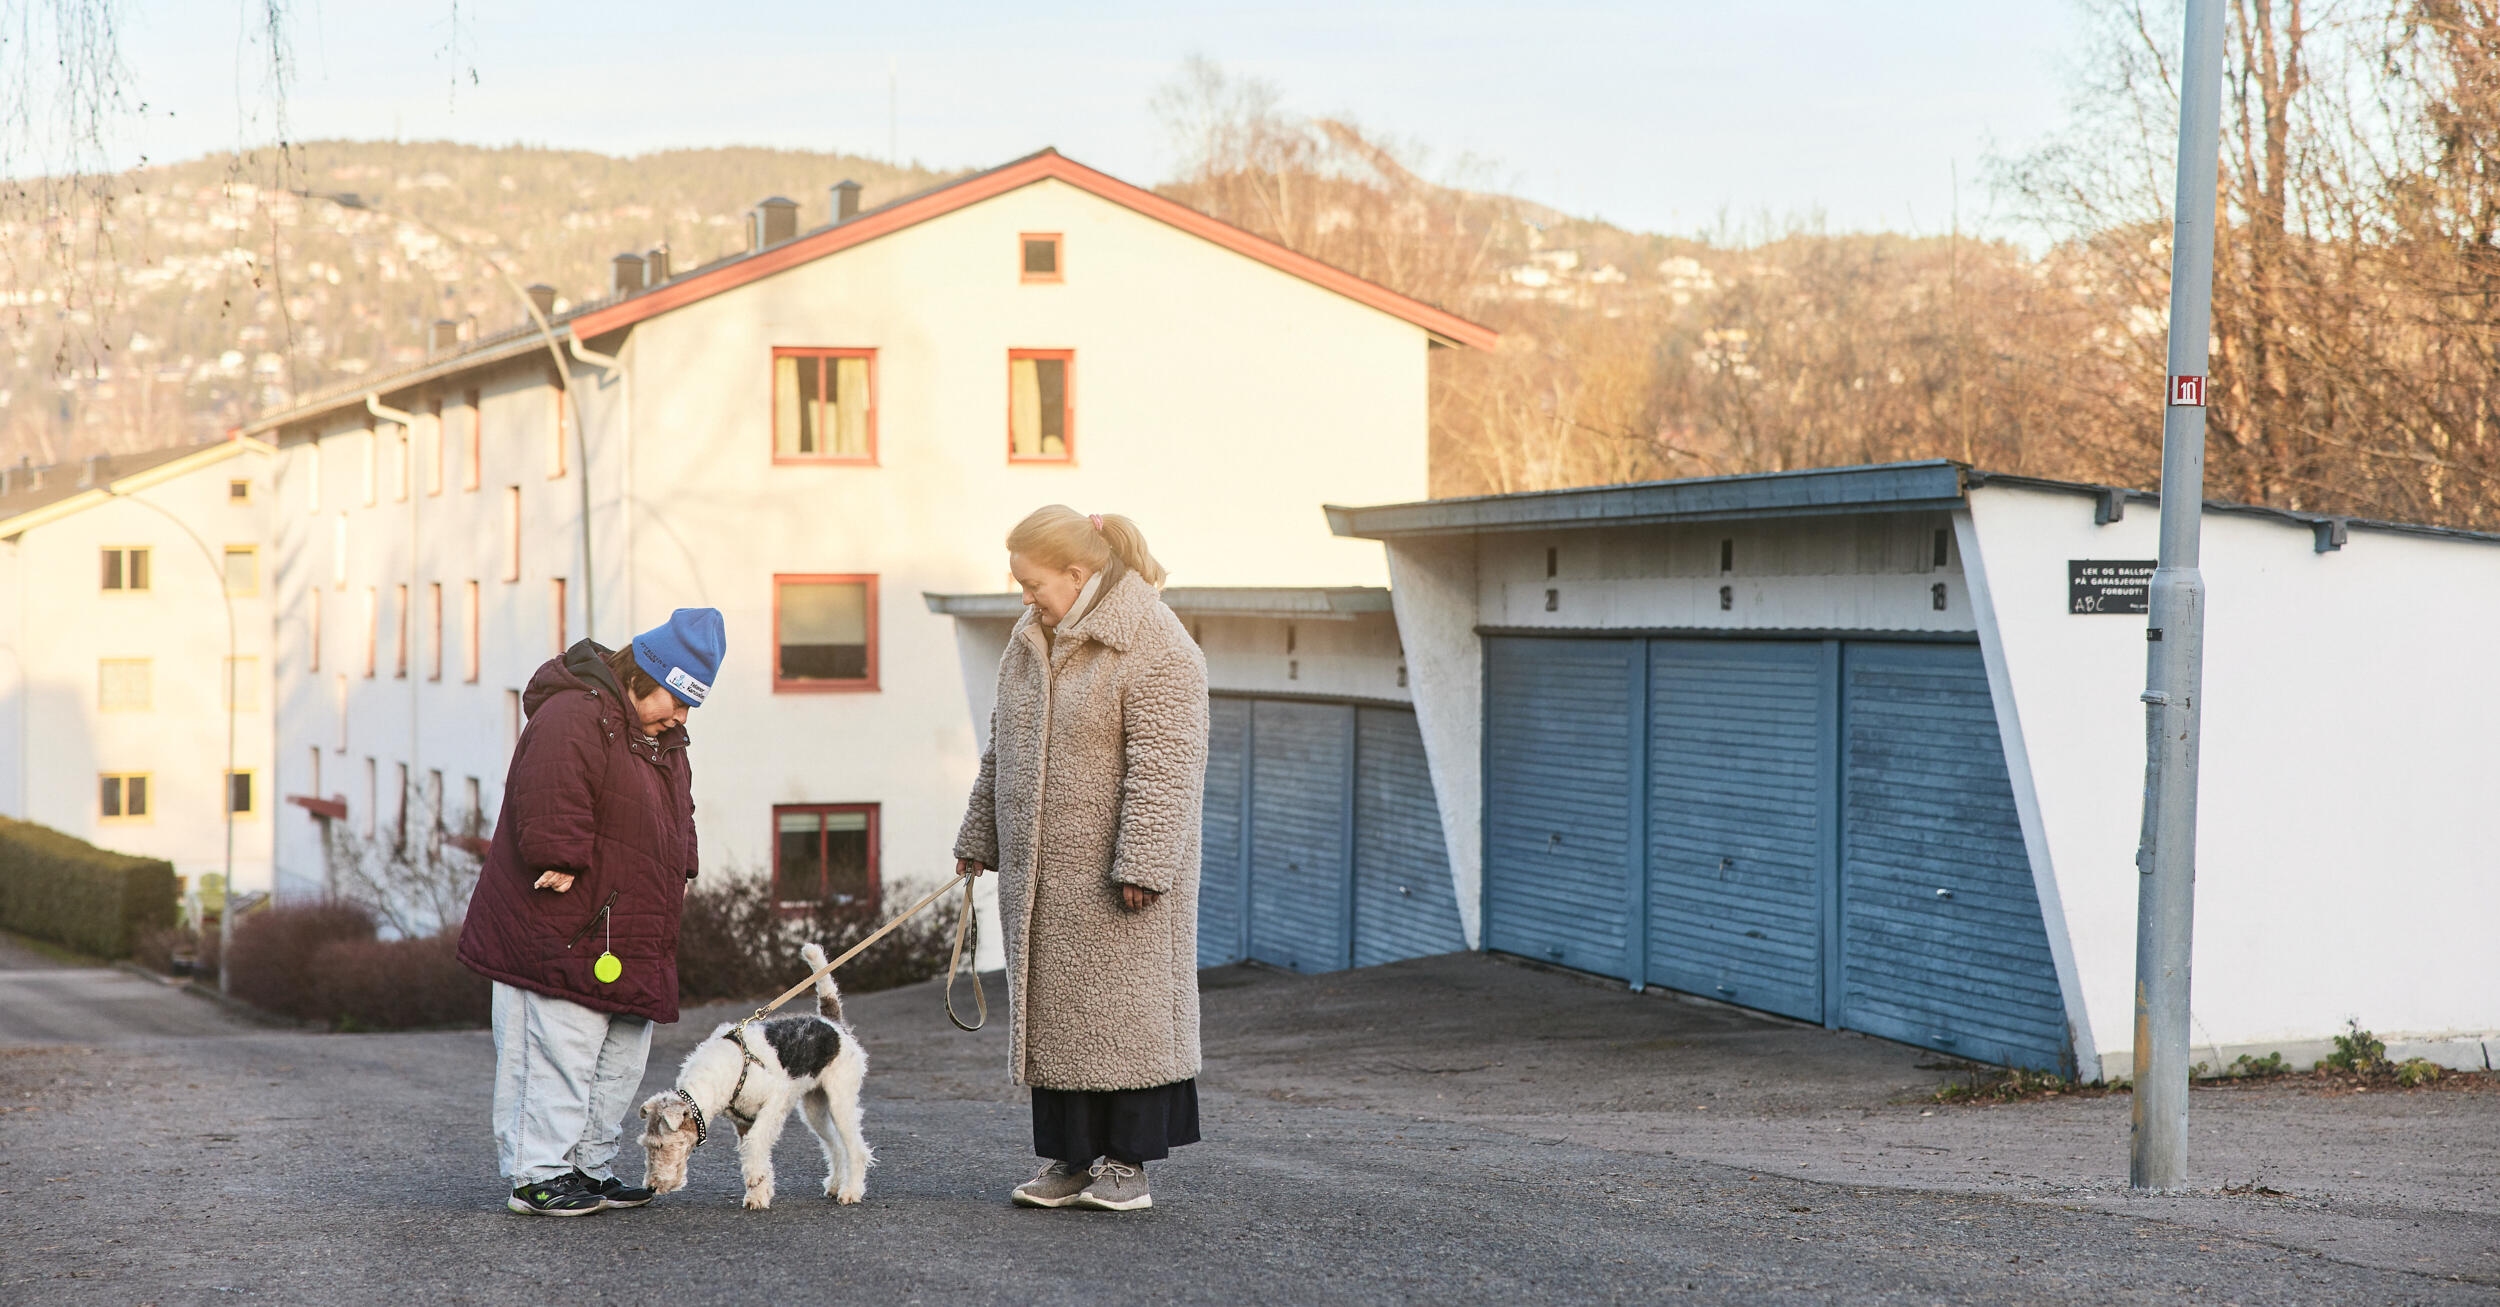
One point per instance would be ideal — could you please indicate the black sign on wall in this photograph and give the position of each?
(2109, 585)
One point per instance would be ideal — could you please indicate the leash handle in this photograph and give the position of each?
(963, 877)
(954, 964)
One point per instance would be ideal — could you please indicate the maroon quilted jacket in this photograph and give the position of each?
(589, 794)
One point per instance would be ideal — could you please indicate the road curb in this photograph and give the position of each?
(210, 993)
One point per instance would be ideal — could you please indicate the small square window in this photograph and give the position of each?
(824, 633)
(1041, 406)
(1041, 262)
(125, 569)
(239, 492)
(124, 796)
(825, 405)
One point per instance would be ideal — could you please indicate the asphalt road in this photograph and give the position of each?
(224, 1163)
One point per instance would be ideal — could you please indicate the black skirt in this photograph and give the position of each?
(1133, 1125)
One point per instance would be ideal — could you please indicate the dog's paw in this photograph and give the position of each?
(850, 1193)
(758, 1199)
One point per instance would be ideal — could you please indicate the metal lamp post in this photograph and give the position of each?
(2166, 856)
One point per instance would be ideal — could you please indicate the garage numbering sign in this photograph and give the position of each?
(2109, 585)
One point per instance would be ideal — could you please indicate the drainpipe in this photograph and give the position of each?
(407, 483)
(610, 365)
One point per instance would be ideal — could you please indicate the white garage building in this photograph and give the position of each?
(1863, 746)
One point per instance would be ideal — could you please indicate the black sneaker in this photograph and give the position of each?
(616, 1193)
(569, 1194)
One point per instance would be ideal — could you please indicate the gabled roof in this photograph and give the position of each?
(1048, 165)
(67, 488)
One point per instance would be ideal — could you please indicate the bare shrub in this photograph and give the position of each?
(276, 951)
(397, 984)
(735, 942)
(415, 879)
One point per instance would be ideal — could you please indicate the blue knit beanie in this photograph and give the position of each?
(684, 653)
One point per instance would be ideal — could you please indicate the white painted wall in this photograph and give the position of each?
(2348, 851)
(1350, 657)
(1433, 584)
(59, 623)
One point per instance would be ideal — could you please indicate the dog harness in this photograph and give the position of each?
(737, 1034)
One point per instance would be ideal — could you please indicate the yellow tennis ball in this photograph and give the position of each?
(607, 968)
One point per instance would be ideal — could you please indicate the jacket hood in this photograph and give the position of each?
(582, 667)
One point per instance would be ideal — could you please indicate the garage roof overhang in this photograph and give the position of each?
(1821, 492)
(1329, 603)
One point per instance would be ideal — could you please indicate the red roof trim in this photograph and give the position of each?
(1048, 165)
(334, 809)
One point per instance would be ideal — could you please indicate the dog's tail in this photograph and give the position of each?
(828, 995)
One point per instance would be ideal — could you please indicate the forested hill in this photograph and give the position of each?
(198, 294)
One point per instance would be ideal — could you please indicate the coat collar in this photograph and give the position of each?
(1116, 616)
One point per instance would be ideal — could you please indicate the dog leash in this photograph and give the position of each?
(954, 963)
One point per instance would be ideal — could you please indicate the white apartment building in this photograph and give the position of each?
(126, 586)
(810, 436)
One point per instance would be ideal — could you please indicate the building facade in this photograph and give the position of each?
(810, 436)
(132, 589)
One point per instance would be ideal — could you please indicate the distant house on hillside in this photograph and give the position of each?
(809, 436)
(117, 578)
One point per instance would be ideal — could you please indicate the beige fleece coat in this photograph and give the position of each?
(1095, 777)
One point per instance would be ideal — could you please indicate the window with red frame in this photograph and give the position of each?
(1041, 405)
(824, 633)
(825, 405)
(1041, 261)
(824, 852)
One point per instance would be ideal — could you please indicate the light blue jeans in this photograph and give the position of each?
(564, 1076)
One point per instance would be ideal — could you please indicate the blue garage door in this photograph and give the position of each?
(1943, 944)
(1222, 865)
(1558, 810)
(1322, 838)
(1738, 749)
(1301, 761)
(1404, 904)
(1823, 829)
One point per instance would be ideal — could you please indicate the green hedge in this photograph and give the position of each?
(70, 892)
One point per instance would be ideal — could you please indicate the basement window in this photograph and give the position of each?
(824, 853)
(1041, 408)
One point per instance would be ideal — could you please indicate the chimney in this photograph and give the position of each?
(655, 265)
(845, 200)
(91, 473)
(772, 221)
(542, 295)
(443, 335)
(626, 275)
(29, 476)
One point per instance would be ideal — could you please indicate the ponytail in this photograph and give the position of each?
(1059, 536)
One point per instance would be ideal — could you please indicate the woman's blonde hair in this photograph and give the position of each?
(1056, 535)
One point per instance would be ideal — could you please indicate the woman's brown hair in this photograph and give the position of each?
(637, 682)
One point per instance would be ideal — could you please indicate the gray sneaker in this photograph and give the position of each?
(1056, 1185)
(1116, 1187)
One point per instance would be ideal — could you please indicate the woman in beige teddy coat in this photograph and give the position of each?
(1088, 805)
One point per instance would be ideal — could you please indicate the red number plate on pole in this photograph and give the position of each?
(2187, 392)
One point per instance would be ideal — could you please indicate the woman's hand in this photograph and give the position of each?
(559, 881)
(1137, 898)
(967, 867)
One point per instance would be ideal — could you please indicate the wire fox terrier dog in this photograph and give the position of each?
(754, 1074)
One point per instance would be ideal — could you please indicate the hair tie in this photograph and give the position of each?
(1096, 519)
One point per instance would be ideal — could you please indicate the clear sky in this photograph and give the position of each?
(1659, 116)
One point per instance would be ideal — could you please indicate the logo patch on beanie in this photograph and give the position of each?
(686, 687)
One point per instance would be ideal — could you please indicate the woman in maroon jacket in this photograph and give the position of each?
(575, 913)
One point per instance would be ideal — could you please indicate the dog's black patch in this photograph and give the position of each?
(804, 1044)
